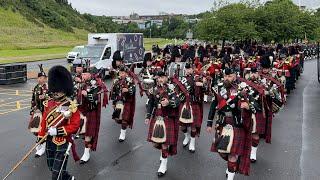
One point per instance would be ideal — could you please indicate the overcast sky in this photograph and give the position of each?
(153, 7)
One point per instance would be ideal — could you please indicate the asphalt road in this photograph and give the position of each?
(293, 154)
(33, 66)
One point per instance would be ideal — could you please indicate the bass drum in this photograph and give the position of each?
(148, 84)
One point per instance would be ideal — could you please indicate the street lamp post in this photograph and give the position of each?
(150, 31)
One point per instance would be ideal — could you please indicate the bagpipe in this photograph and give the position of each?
(276, 91)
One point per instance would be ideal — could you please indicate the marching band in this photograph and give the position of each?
(246, 86)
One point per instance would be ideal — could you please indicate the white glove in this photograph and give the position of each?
(52, 131)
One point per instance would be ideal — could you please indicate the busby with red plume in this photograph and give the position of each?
(60, 80)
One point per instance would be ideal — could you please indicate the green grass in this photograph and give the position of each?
(37, 54)
(27, 55)
(24, 41)
(16, 32)
(148, 42)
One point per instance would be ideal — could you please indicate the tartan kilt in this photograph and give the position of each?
(268, 133)
(93, 127)
(260, 123)
(128, 113)
(197, 112)
(172, 131)
(238, 143)
(55, 157)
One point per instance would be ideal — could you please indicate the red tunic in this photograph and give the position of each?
(65, 127)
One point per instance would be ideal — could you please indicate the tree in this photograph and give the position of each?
(231, 22)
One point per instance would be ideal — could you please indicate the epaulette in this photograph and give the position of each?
(73, 107)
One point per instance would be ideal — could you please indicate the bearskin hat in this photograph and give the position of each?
(148, 57)
(188, 65)
(176, 52)
(229, 71)
(41, 73)
(117, 56)
(161, 73)
(166, 50)
(60, 80)
(265, 62)
(254, 70)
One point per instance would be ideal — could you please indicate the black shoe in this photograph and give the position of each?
(160, 174)
(83, 162)
(37, 156)
(253, 161)
(192, 151)
(185, 145)
(121, 140)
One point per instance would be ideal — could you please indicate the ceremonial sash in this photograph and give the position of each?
(253, 85)
(53, 116)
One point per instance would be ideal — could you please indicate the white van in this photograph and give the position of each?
(101, 47)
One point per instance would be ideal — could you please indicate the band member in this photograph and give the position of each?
(284, 66)
(160, 62)
(116, 63)
(274, 92)
(191, 113)
(258, 100)
(39, 95)
(161, 117)
(61, 119)
(93, 98)
(176, 68)
(123, 97)
(148, 72)
(232, 113)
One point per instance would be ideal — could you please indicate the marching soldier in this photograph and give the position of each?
(39, 95)
(93, 98)
(191, 113)
(148, 72)
(258, 100)
(116, 63)
(232, 113)
(161, 117)
(123, 97)
(61, 119)
(274, 92)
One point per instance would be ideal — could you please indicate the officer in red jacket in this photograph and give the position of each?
(61, 119)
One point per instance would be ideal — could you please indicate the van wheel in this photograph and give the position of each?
(139, 65)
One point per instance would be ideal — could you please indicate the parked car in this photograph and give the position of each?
(74, 53)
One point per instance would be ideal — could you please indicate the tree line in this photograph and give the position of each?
(273, 21)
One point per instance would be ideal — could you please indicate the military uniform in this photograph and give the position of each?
(94, 99)
(233, 128)
(123, 101)
(61, 119)
(163, 127)
(191, 111)
(39, 96)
